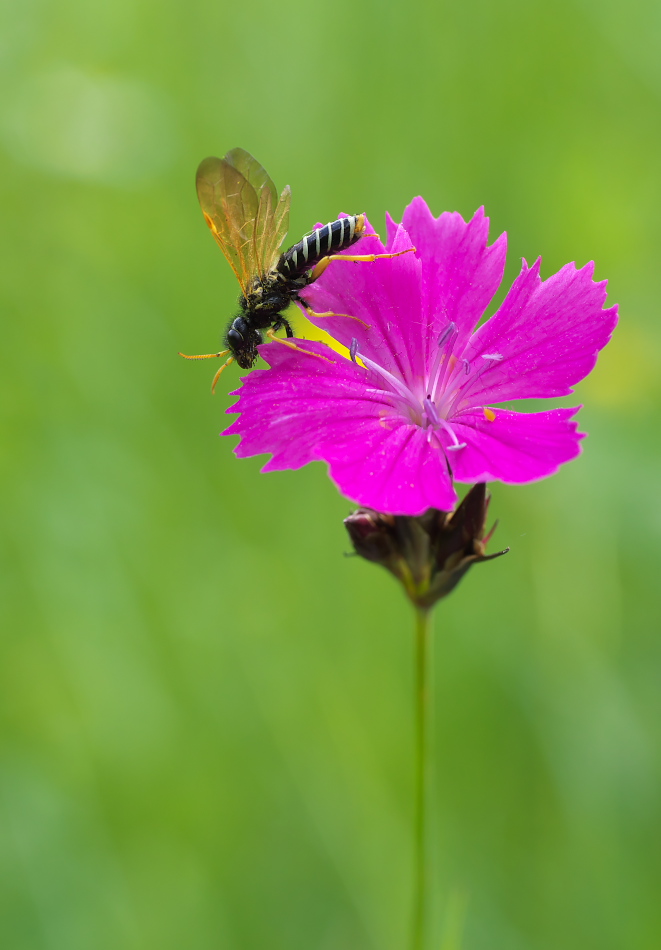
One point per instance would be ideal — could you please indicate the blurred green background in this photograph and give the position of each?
(206, 708)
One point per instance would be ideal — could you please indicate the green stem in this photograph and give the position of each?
(422, 776)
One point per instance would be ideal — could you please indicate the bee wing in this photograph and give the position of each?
(272, 218)
(240, 205)
(252, 171)
(273, 227)
(229, 204)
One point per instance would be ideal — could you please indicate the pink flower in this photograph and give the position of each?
(413, 408)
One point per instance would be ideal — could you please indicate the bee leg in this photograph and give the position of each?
(205, 356)
(329, 313)
(217, 376)
(283, 324)
(325, 261)
(275, 339)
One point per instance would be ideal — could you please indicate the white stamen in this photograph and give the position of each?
(443, 353)
(431, 411)
(397, 385)
(448, 428)
(466, 387)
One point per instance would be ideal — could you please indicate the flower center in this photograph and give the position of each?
(446, 386)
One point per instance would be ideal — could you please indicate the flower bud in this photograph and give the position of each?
(429, 553)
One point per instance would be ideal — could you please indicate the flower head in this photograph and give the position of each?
(414, 405)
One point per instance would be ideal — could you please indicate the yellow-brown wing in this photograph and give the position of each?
(240, 205)
(272, 218)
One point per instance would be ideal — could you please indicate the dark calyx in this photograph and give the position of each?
(430, 553)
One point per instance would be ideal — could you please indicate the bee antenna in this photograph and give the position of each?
(205, 356)
(217, 376)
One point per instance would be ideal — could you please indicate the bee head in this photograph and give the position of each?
(243, 341)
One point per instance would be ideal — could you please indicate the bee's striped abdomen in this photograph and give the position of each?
(331, 238)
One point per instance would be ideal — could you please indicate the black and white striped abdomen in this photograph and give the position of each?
(318, 243)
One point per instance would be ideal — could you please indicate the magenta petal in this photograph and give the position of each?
(547, 333)
(515, 447)
(301, 401)
(382, 296)
(460, 274)
(393, 469)
(305, 409)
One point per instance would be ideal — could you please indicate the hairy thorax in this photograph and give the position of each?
(270, 294)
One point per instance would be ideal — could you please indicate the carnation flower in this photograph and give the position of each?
(414, 405)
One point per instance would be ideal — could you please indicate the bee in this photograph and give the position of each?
(249, 221)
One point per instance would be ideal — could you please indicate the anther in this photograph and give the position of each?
(446, 334)
(455, 448)
(492, 356)
(467, 367)
(354, 349)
